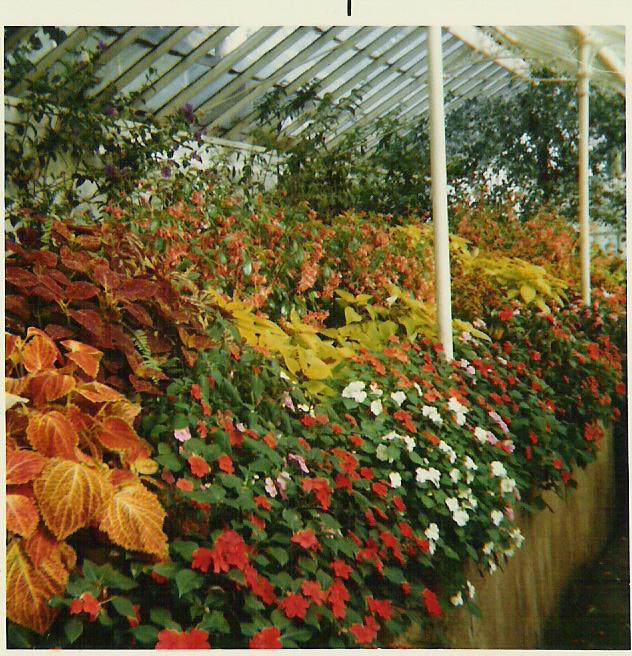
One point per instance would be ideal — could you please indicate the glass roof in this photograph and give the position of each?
(224, 71)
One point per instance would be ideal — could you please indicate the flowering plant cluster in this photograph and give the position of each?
(284, 518)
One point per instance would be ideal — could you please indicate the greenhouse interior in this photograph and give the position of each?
(315, 337)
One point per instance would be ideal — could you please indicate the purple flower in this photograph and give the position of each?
(111, 111)
(187, 112)
(109, 171)
(165, 172)
(101, 46)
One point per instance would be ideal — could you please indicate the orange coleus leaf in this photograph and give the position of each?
(80, 420)
(41, 545)
(71, 495)
(39, 353)
(11, 342)
(133, 519)
(124, 410)
(52, 434)
(89, 319)
(87, 357)
(49, 386)
(29, 588)
(99, 393)
(81, 291)
(117, 435)
(22, 515)
(23, 465)
(120, 477)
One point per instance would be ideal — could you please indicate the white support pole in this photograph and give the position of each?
(443, 295)
(583, 75)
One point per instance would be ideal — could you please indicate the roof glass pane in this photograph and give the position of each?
(347, 32)
(213, 87)
(259, 51)
(361, 63)
(120, 63)
(403, 32)
(341, 59)
(161, 66)
(156, 34)
(287, 54)
(188, 76)
(194, 39)
(374, 34)
(297, 71)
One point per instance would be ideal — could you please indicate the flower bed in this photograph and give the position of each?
(306, 478)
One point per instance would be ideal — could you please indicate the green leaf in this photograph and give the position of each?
(73, 629)
(308, 565)
(162, 617)
(184, 548)
(188, 580)
(279, 554)
(279, 619)
(168, 570)
(282, 580)
(123, 606)
(90, 571)
(292, 519)
(394, 575)
(145, 633)
(170, 461)
(214, 622)
(296, 634)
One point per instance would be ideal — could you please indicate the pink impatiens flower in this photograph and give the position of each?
(182, 434)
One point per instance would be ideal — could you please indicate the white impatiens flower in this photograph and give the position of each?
(409, 441)
(470, 464)
(376, 407)
(460, 517)
(433, 475)
(448, 450)
(432, 532)
(497, 517)
(355, 391)
(498, 469)
(471, 590)
(396, 479)
(457, 599)
(399, 397)
(480, 434)
(492, 566)
(391, 436)
(507, 485)
(455, 474)
(432, 413)
(380, 453)
(376, 390)
(459, 410)
(488, 547)
(517, 537)
(452, 504)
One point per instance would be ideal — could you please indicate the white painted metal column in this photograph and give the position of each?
(583, 75)
(443, 294)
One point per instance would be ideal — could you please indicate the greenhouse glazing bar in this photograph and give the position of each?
(443, 295)
(583, 75)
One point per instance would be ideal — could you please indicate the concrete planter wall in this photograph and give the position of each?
(517, 602)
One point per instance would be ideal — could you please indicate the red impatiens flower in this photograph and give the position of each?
(295, 605)
(557, 463)
(134, 620)
(432, 603)
(86, 604)
(257, 521)
(259, 585)
(307, 539)
(321, 487)
(343, 483)
(356, 440)
(270, 440)
(202, 559)
(161, 580)
(337, 429)
(338, 596)
(365, 633)
(380, 489)
(263, 503)
(399, 504)
(225, 463)
(201, 429)
(193, 639)
(381, 607)
(406, 419)
(341, 569)
(199, 466)
(313, 591)
(229, 551)
(196, 392)
(366, 472)
(184, 484)
(506, 314)
(266, 639)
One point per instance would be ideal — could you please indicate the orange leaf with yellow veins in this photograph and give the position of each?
(29, 588)
(71, 495)
(41, 545)
(124, 410)
(16, 386)
(133, 519)
(23, 465)
(22, 515)
(99, 393)
(52, 434)
(38, 354)
(117, 435)
(49, 386)
(86, 357)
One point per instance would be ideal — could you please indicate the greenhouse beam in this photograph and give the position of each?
(583, 76)
(439, 192)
